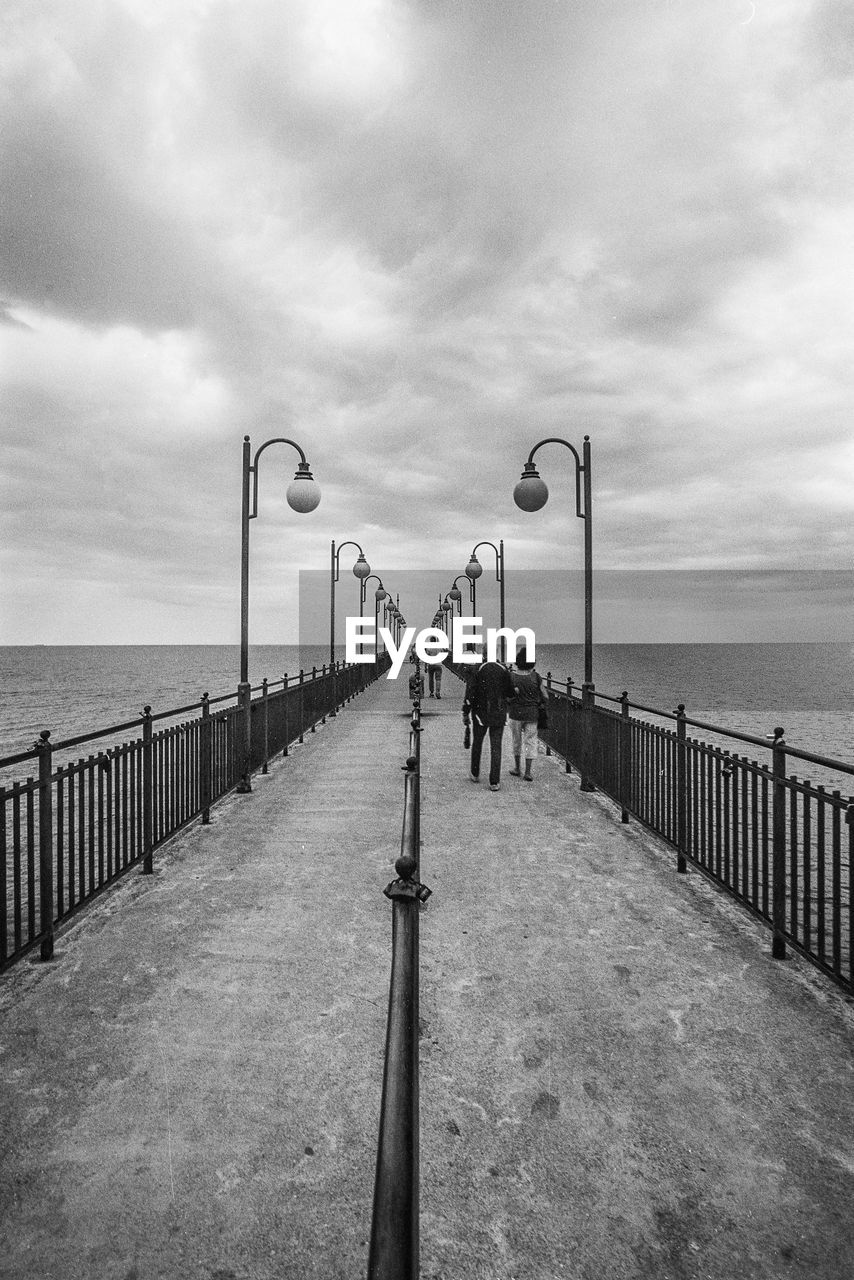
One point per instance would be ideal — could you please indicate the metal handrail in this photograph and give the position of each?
(82, 824)
(565, 688)
(781, 845)
(110, 730)
(394, 1246)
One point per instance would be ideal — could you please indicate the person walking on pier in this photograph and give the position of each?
(487, 690)
(434, 675)
(524, 711)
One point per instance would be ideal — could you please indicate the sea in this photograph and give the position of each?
(806, 688)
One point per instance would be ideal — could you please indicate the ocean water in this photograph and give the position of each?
(806, 688)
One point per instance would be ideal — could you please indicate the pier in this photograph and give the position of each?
(618, 1079)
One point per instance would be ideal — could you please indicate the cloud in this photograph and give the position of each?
(418, 238)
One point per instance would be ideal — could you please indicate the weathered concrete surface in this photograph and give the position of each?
(617, 1080)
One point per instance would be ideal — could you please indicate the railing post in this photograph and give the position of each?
(244, 698)
(205, 761)
(567, 712)
(778, 901)
(548, 690)
(301, 705)
(333, 670)
(314, 699)
(588, 694)
(681, 790)
(323, 698)
(147, 793)
(625, 756)
(45, 844)
(265, 711)
(285, 712)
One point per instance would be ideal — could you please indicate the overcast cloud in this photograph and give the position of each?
(417, 237)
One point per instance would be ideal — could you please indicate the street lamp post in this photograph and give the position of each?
(531, 494)
(392, 612)
(474, 569)
(379, 594)
(457, 596)
(303, 495)
(361, 569)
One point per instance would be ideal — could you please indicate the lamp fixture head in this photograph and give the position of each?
(361, 568)
(474, 568)
(530, 493)
(303, 493)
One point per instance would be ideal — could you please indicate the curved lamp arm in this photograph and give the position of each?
(470, 585)
(303, 470)
(498, 558)
(532, 473)
(338, 551)
(365, 582)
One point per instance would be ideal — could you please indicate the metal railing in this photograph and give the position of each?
(780, 844)
(74, 826)
(394, 1245)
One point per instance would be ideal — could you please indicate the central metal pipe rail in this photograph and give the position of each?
(394, 1247)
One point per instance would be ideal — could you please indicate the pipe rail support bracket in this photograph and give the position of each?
(405, 886)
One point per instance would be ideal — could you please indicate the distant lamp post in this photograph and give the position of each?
(390, 617)
(361, 569)
(303, 495)
(474, 569)
(457, 596)
(531, 494)
(379, 595)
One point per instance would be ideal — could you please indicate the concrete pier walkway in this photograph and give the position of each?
(616, 1079)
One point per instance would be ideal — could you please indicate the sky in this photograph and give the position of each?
(417, 237)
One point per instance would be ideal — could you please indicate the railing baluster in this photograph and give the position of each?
(31, 860)
(4, 922)
(806, 915)
(107, 768)
(793, 858)
(17, 917)
(265, 724)
(820, 887)
(72, 831)
(849, 819)
(836, 869)
(60, 847)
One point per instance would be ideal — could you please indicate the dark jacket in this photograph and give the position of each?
(487, 690)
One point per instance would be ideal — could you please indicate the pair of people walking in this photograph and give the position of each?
(492, 692)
